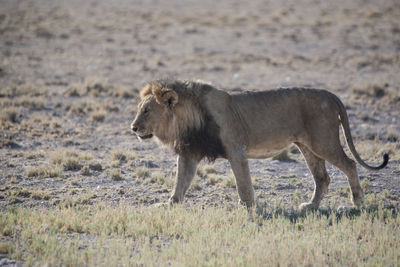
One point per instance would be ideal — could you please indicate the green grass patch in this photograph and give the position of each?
(100, 235)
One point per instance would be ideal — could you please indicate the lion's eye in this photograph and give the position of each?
(146, 110)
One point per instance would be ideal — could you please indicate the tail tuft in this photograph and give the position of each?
(384, 163)
(385, 160)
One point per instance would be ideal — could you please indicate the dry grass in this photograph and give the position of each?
(116, 175)
(44, 172)
(10, 114)
(104, 236)
(230, 182)
(71, 164)
(34, 103)
(283, 156)
(161, 179)
(384, 94)
(98, 116)
(83, 108)
(372, 150)
(95, 87)
(213, 179)
(119, 155)
(96, 166)
(70, 160)
(85, 170)
(142, 172)
(63, 161)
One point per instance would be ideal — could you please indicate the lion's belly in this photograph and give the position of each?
(262, 152)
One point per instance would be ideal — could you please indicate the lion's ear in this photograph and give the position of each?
(168, 98)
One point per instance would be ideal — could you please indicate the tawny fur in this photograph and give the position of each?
(198, 120)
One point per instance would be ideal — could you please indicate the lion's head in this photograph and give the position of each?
(174, 112)
(155, 111)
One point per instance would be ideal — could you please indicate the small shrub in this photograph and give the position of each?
(386, 193)
(29, 102)
(209, 169)
(33, 172)
(73, 92)
(111, 108)
(256, 182)
(119, 155)
(85, 156)
(372, 90)
(13, 180)
(15, 200)
(115, 175)
(201, 173)
(288, 176)
(85, 170)
(142, 172)
(196, 184)
(80, 109)
(297, 198)
(21, 193)
(37, 195)
(69, 160)
(6, 247)
(95, 166)
(365, 184)
(132, 155)
(96, 89)
(283, 156)
(159, 178)
(230, 182)
(10, 114)
(57, 158)
(295, 182)
(34, 156)
(98, 116)
(71, 164)
(213, 179)
(44, 172)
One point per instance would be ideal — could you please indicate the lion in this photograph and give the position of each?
(200, 121)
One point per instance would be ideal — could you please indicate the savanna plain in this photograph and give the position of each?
(78, 189)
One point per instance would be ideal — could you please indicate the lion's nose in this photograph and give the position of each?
(134, 128)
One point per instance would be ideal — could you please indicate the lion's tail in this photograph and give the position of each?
(346, 128)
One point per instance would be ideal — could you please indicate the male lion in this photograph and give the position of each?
(198, 120)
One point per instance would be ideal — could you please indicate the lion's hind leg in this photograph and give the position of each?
(335, 155)
(317, 168)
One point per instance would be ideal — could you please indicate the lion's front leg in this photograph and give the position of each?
(240, 168)
(187, 165)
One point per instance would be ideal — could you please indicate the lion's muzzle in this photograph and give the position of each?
(140, 136)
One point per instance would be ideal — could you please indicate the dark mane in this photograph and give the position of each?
(205, 140)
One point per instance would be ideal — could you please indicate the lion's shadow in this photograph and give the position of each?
(264, 212)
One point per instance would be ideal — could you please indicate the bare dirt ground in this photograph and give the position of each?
(70, 73)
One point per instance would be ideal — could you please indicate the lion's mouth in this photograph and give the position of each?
(142, 137)
(146, 136)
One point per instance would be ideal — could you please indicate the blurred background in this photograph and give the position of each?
(71, 70)
(255, 44)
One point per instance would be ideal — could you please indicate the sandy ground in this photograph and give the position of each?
(70, 73)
